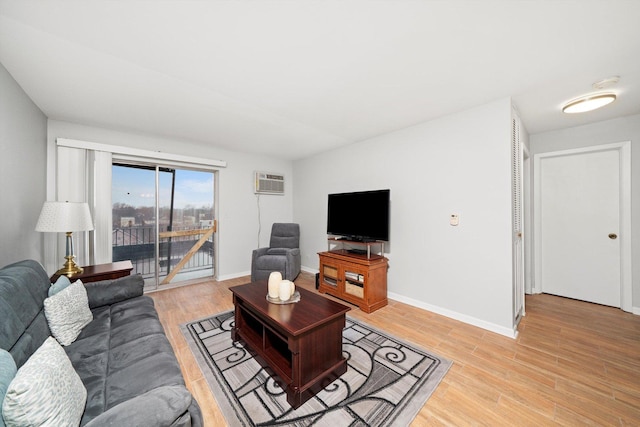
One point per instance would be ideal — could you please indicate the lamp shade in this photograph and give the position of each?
(64, 217)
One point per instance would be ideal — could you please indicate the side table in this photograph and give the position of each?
(95, 273)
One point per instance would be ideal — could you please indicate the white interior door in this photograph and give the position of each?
(580, 226)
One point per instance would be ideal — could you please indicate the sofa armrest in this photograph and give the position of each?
(108, 292)
(162, 406)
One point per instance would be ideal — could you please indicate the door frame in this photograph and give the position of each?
(527, 220)
(624, 150)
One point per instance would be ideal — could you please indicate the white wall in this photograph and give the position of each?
(23, 133)
(457, 164)
(616, 130)
(237, 210)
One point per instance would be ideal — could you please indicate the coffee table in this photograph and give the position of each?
(300, 342)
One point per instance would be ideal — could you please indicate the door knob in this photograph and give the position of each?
(613, 236)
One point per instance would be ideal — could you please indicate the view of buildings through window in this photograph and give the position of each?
(185, 204)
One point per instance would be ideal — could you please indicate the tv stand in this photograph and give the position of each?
(357, 251)
(340, 242)
(358, 279)
(360, 239)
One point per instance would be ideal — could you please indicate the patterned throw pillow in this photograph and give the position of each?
(46, 390)
(68, 312)
(8, 371)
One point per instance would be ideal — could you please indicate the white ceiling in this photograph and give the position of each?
(293, 78)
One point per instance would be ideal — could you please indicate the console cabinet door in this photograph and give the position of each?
(330, 275)
(355, 280)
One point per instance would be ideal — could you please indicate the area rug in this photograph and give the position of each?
(387, 380)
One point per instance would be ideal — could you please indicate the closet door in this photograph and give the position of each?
(517, 223)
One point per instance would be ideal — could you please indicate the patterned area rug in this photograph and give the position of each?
(387, 380)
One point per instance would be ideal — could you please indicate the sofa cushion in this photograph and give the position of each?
(122, 354)
(153, 408)
(8, 371)
(68, 312)
(23, 329)
(108, 292)
(45, 391)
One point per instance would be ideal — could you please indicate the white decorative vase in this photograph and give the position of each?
(292, 287)
(274, 284)
(285, 290)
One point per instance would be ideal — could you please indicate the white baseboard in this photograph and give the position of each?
(248, 273)
(310, 270)
(511, 333)
(420, 304)
(234, 275)
(635, 310)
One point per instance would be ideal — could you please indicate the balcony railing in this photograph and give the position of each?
(137, 243)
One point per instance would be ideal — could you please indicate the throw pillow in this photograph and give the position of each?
(8, 371)
(68, 312)
(61, 284)
(45, 391)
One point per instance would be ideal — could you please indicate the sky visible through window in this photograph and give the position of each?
(136, 187)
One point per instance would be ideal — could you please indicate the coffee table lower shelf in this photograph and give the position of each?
(302, 365)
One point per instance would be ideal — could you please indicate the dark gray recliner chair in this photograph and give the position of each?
(283, 253)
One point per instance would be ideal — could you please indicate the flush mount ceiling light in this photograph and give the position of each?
(589, 103)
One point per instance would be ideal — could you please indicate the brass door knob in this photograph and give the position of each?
(613, 236)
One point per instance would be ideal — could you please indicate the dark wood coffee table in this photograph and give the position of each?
(300, 342)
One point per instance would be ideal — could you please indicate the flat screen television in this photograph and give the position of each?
(360, 216)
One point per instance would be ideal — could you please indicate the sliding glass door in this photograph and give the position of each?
(163, 221)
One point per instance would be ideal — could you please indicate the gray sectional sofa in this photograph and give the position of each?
(123, 356)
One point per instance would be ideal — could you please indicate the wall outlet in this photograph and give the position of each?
(454, 220)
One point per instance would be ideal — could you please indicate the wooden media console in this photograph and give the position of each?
(360, 279)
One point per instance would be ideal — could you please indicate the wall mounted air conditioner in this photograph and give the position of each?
(269, 183)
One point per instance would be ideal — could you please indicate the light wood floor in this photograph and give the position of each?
(573, 363)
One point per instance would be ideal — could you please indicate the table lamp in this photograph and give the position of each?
(66, 217)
